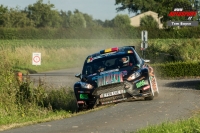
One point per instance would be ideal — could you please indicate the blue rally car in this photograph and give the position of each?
(114, 75)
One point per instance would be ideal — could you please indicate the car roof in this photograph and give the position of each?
(119, 51)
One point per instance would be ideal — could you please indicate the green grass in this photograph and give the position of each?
(22, 120)
(191, 125)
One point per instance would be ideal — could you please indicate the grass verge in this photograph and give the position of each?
(191, 125)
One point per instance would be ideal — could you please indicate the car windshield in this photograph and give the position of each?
(109, 63)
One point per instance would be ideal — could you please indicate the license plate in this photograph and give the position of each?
(112, 93)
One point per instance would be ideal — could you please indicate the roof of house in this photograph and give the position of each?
(148, 12)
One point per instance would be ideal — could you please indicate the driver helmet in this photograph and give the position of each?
(125, 60)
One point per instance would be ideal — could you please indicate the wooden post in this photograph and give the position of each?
(19, 74)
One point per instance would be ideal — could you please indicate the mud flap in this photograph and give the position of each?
(151, 90)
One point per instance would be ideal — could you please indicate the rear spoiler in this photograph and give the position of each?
(131, 46)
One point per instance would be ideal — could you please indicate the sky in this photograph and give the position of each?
(98, 9)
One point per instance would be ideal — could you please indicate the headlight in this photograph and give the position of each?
(86, 85)
(134, 76)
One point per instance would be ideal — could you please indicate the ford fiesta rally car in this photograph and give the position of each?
(114, 75)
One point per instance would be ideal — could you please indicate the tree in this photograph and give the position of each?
(137, 5)
(89, 20)
(43, 15)
(148, 22)
(121, 21)
(108, 23)
(3, 10)
(65, 16)
(77, 20)
(15, 18)
(99, 22)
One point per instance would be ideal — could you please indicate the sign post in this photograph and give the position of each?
(144, 44)
(36, 59)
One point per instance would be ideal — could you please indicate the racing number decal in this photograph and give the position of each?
(83, 96)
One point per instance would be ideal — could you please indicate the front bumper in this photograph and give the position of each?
(116, 92)
(122, 91)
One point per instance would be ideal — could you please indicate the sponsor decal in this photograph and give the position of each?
(94, 78)
(92, 74)
(146, 87)
(83, 91)
(83, 96)
(97, 57)
(89, 60)
(182, 13)
(124, 73)
(110, 78)
(140, 83)
(114, 70)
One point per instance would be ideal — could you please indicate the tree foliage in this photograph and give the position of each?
(77, 20)
(148, 21)
(43, 15)
(121, 21)
(65, 18)
(89, 20)
(3, 10)
(15, 18)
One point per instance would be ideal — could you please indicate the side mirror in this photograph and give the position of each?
(146, 61)
(78, 75)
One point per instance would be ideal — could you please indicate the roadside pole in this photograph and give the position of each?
(144, 44)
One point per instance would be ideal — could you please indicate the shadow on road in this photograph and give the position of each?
(185, 84)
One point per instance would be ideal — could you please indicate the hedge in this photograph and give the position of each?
(177, 69)
(97, 33)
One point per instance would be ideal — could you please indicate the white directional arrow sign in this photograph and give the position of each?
(144, 35)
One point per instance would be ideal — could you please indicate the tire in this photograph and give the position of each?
(151, 90)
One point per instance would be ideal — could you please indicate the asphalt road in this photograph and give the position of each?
(178, 99)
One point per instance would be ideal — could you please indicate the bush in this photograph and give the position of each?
(60, 100)
(177, 69)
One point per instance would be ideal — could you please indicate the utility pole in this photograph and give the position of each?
(144, 44)
(197, 8)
